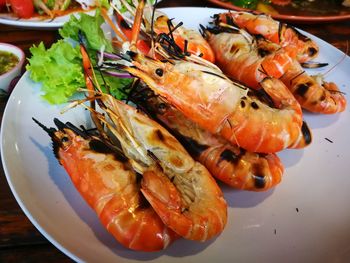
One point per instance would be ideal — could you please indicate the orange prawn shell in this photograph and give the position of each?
(179, 180)
(109, 187)
(224, 107)
(226, 162)
(274, 31)
(240, 59)
(196, 44)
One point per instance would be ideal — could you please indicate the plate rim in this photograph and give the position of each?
(6, 19)
(23, 207)
(34, 221)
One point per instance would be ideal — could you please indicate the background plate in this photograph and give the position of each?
(38, 23)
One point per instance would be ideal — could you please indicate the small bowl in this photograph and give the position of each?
(6, 78)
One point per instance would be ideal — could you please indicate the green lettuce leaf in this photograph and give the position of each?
(59, 69)
(103, 3)
(90, 26)
(115, 85)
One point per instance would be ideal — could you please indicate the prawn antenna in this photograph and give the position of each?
(50, 131)
(297, 75)
(152, 20)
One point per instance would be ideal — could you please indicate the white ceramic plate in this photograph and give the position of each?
(38, 22)
(304, 219)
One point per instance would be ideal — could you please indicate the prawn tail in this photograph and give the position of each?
(304, 139)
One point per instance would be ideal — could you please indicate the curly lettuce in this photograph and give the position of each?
(90, 28)
(58, 68)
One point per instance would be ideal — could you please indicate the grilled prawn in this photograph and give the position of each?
(273, 30)
(250, 60)
(106, 180)
(180, 190)
(230, 164)
(313, 92)
(160, 27)
(204, 95)
(239, 57)
(176, 186)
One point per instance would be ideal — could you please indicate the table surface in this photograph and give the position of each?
(20, 241)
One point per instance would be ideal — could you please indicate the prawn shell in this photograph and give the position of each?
(110, 188)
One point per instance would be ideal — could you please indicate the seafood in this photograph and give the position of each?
(250, 60)
(273, 30)
(105, 179)
(230, 164)
(239, 57)
(175, 185)
(207, 97)
(180, 190)
(158, 26)
(313, 93)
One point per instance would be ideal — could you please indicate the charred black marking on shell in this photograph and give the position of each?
(192, 146)
(264, 97)
(234, 49)
(323, 96)
(302, 89)
(160, 135)
(254, 105)
(263, 52)
(231, 157)
(100, 147)
(259, 180)
(306, 133)
(258, 175)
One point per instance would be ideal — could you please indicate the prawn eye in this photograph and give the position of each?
(65, 139)
(159, 72)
